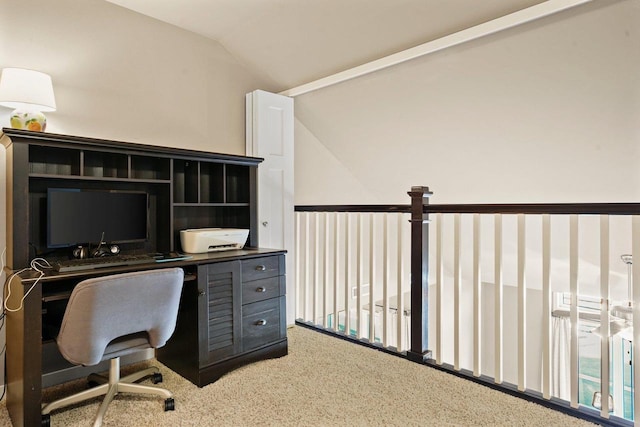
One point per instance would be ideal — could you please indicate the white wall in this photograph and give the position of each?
(544, 112)
(338, 183)
(121, 75)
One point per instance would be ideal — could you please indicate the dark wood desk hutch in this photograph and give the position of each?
(233, 305)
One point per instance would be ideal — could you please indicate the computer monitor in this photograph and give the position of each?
(79, 216)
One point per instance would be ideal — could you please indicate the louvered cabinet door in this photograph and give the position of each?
(220, 323)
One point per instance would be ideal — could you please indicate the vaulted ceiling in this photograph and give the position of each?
(292, 42)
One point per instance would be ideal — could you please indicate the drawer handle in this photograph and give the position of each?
(261, 289)
(261, 267)
(261, 322)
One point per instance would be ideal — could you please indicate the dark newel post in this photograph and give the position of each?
(419, 275)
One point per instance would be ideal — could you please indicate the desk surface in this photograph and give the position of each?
(28, 277)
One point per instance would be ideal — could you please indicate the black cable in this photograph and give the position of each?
(37, 254)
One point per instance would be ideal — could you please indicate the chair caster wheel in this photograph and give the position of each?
(169, 404)
(46, 420)
(156, 378)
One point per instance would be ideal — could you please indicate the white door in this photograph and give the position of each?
(269, 135)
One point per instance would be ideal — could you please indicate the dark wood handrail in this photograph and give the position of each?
(353, 208)
(508, 208)
(540, 208)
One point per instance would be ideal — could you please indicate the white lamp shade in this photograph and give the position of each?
(21, 88)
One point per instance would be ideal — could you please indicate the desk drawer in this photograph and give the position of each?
(262, 323)
(259, 290)
(261, 268)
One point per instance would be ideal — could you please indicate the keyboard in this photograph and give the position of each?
(101, 262)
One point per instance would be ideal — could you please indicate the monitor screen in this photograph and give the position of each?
(76, 217)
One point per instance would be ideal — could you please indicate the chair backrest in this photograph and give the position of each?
(103, 309)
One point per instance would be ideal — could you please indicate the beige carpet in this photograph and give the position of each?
(324, 381)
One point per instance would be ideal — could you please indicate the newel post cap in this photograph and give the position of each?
(420, 191)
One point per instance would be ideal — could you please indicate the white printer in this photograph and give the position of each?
(202, 240)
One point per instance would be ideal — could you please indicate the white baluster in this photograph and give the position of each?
(573, 312)
(522, 304)
(477, 298)
(604, 315)
(439, 289)
(499, 299)
(457, 291)
(546, 306)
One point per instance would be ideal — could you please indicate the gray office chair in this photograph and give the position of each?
(108, 317)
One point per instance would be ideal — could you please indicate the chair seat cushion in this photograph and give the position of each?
(126, 345)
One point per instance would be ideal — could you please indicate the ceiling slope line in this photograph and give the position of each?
(511, 20)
